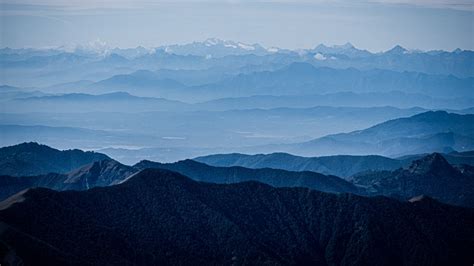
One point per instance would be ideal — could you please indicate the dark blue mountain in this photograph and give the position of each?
(28, 159)
(431, 175)
(339, 165)
(274, 177)
(159, 217)
(97, 174)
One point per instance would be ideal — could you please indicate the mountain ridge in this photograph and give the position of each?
(431, 175)
(275, 177)
(245, 222)
(33, 158)
(432, 131)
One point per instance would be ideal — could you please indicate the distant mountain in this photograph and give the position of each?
(127, 122)
(396, 50)
(80, 102)
(426, 132)
(340, 165)
(66, 137)
(348, 99)
(29, 159)
(455, 158)
(289, 77)
(304, 78)
(10, 92)
(274, 177)
(458, 63)
(46, 67)
(431, 175)
(45, 60)
(97, 174)
(160, 217)
(346, 49)
(214, 47)
(143, 83)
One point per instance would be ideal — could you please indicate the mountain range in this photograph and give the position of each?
(106, 172)
(82, 102)
(297, 78)
(349, 99)
(304, 78)
(426, 132)
(331, 155)
(344, 166)
(339, 165)
(274, 177)
(161, 217)
(437, 178)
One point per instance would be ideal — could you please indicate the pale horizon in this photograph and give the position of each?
(94, 45)
(374, 26)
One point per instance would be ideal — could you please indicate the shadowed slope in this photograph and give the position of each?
(160, 217)
(275, 177)
(431, 175)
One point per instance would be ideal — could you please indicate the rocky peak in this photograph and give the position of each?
(433, 163)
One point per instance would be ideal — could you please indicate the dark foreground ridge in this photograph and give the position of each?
(158, 217)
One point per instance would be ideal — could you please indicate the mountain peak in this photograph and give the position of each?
(30, 147)
(347, 45)
(100, 173)
(213, 41)
(155, 177)
(229, 44)
(31, 158)
(435, 116)
(432, 163)
(397, 49)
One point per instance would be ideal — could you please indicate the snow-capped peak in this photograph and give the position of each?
(246, 46)
(273, 49)
(228, 44)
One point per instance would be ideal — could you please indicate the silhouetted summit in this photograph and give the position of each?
(35, 159)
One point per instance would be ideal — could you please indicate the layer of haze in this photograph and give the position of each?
(425, 25)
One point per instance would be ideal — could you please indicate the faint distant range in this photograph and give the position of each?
(97, 128)
(422, 133)
(181, 101)
(430, 131)
(40, 67)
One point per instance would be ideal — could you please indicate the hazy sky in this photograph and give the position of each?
(372, 25)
